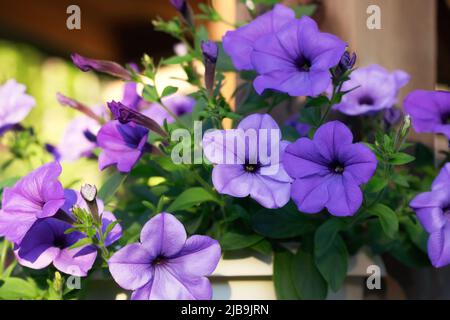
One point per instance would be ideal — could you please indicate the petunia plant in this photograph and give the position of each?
(193, 177)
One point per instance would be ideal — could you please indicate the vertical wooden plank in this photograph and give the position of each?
(407, 40)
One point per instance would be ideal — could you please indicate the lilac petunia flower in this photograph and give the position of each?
(37, 195)
(239, 44)
(109, 67)
(296, 59)
(433, 210)
(74, 198)
(328, 170)
(376, 89)
(122, 145)
(15, 104)
(250, 173)
(79, 138)
(165, 265)
(46, 243)
(178, 104)
(429, 110)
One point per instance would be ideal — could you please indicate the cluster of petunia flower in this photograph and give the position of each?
(323, 171)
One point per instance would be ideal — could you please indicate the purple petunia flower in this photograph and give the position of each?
(429, 110)
(239, 44)
(165, 265)
(328, 170)
(296, 59)
(376, 89)
(256, 170)
(433, 211)
(74, 198)
(37, 195)
(15, 104)
(46, 243)
(178, 104)
(122, 145)
(109, 67)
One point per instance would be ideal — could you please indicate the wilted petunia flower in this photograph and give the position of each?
(46, 243)
(429, 110)
(375, 89)
(109, 67)
(178, 104)
(122, 145)
(296, 59)
(74, 198)
(239, 44)
(250, 173)
(165, 265)
(37, 195)
(15, 104)
(433, 209)
(328, 170)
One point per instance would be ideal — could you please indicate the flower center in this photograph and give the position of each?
(445, 118)
(303, 64)
(337, 167)
(157, 261)
(60, 243)
(368, 100)
(251, 168)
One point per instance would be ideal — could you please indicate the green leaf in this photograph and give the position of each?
(235, 241)
(375, 185)
(308, 281)
(150, 94)
(282, 276)
(333, 263)
(282, 223)
(17, 288)
(416, 233)
(168, 91)
(81, 242)
(305, 10)
(326, 234)
(388, 219)
(224, 63)
(191, 197)
(310, 115)
(177, 59)
(401, 158)
(110, 187)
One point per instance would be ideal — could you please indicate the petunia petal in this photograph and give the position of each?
(345, 196)
(439, 247)
(330, 137)
(198, 258)
(131, 266)
(76, 262)
(432, 218)
(163, 235)
(232, 180)
(311, 193)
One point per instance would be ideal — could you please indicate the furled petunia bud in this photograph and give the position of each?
(125, 115)
(347, 61)
(109, 67)
(184, 9)
(66, 101)
(210, 52)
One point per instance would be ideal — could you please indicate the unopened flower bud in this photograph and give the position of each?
(66, 101)
(109, 67)
(184, 9)
(89, 194)
(210, 52)
(125, 115)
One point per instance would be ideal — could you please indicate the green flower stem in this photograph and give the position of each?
(4, 252)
